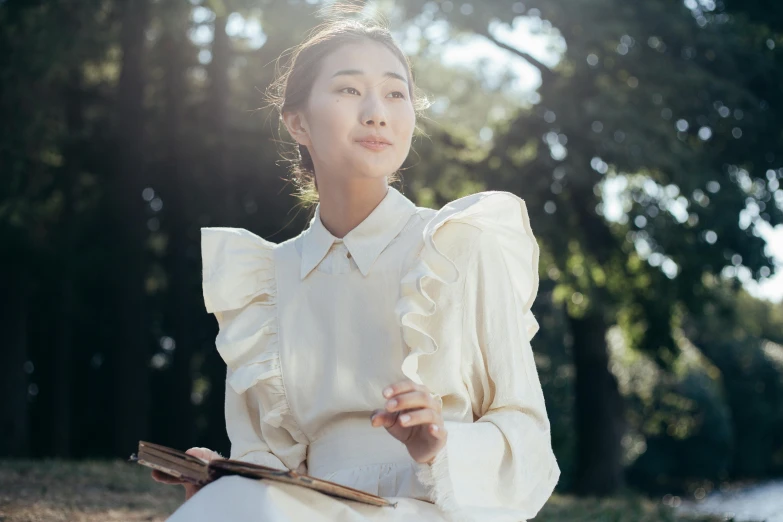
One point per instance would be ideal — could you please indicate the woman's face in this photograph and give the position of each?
(361, 92)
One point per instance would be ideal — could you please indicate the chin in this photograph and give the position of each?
(376, 174)
(375, 170)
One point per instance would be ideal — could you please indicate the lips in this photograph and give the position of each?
(375, 140)
(374, 145)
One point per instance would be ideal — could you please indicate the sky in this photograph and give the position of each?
(542, 41)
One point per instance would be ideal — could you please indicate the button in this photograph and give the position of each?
(348, 255)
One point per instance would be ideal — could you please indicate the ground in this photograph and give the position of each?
(101, 491)
(85, 491)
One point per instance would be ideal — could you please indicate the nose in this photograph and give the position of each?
(374, 113)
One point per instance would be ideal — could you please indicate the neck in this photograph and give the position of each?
(346, 203)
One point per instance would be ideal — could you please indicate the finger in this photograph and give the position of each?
(214, 455)
(374, 419)
(383, 418)
(400, 387)
(190, 490)
(159, 476)
(204, 454)
(410, 400)
(437, 430)
(419, 417)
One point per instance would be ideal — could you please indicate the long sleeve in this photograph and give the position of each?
(500, 467)
(243, 427)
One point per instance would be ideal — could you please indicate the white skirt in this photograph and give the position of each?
(242, 499)
(352, 453)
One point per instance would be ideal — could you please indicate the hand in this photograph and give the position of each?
(190, 489)
(414, 418)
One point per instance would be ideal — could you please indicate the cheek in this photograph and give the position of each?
(405, 123)
(324, 129)
(332, 120)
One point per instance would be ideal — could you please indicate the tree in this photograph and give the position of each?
(130, 354)
(640, 94)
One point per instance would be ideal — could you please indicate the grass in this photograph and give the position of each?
(625, 508)
(82, 491)
(93, 491)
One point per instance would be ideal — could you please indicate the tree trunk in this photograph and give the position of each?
(598, 411)
(217, 107)
(61, 414)
(176, 403)
(63, 338)
(130, 353)
(16, 292)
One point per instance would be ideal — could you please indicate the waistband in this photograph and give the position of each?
(352, 442)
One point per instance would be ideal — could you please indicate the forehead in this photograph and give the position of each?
(374, 58)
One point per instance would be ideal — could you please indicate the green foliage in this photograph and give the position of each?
(751, 371)
(630, 75)
(718, 415)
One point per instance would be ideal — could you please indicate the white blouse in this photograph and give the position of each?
(312, 329)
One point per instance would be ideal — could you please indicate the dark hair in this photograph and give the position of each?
(292, 86)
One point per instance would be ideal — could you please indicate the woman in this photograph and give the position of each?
(387, 347)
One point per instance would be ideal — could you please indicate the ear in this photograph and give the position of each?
(297, 127)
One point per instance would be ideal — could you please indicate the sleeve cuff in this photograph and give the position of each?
(464, 479)
(436, 477)
(470, 447)
(262, 458)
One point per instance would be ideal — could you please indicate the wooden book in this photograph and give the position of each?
(194, 470)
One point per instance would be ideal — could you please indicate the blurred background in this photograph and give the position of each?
(645, 137)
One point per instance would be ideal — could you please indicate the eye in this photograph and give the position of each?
(400, 96)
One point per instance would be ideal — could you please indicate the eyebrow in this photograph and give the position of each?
(353, 72)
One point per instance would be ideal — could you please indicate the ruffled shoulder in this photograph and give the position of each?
(238, 266)
(501, 215)
(240, 288)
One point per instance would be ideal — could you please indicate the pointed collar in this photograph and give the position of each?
(366, 241)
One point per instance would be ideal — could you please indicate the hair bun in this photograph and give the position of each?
(341, 10)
